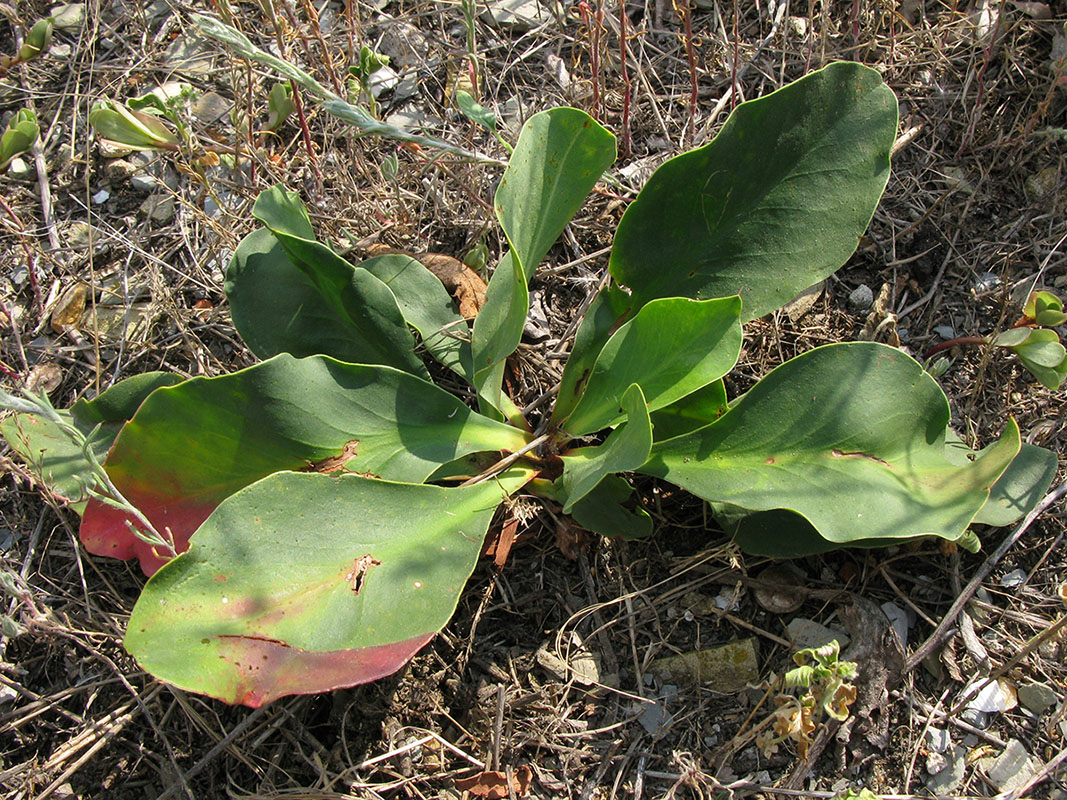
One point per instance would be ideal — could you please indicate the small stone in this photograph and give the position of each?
(190, 56)
(975, 718)
(1041, 183)
(861, 298)
(521, 15)
(211, 107)
(950, 776)
(20, 169)
(68, 18)
(946, 332)
(78, 234)
(809, 633)
(1012, 769)
(101, 197)
(412, 119)
(727, 668)
(118, 170)
(1038, 697)
(143, 183)
(803, 302)
(1013, 578)
(60, 52)
(798, 26)
(383, 80)
(653, 717)
(938, 739)
(159, 210)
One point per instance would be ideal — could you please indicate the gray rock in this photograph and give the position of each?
(190, 56)
(986, 282)
(654, 717)
(861, 298)
(518, 14)
(1038, 697)
(20, 169)
(211, 107)
(119, 170)
(1012, 769)
(68, 18)
(808, 633)
(383, 80)
(939, 740)
(950, 776)
(143, 182)
(945, 331)
(60, 51)
(160, 210)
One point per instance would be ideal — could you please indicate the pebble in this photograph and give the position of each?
(159, 210)
(143, 183)
(521, 15)
(946, 332)
(1038, 697)
(808, 633)
(953, 767)
(118, 170)
(1012, 769)
(861, 298)
(986, 282)
(60, 52)
(19, 168)
(68, 18)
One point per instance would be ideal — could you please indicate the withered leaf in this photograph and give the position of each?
(461, 281)
(494, 784)
(68, 312)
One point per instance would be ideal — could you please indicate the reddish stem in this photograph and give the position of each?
(959, 341)
(690, 56)
(626, 144)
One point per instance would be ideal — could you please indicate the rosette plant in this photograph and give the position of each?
(309, 522)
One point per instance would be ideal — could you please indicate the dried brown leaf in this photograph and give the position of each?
(493, 784)
(461, 281)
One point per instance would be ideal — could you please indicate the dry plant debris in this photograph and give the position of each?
(971, 222)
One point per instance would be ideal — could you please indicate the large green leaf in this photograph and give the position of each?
(693, 411)
(560, 155)
(776, 202)
(850, 436)
(1019, 489)
(56, 457)
(671, 348)
(498, 329)
(626, 449)
(428, 308)
(291, 294)
(602, 511)
(304, 583)
(191, 446)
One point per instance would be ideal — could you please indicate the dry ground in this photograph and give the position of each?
(973, 215)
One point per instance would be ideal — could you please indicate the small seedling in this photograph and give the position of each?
(826, 692)
(330, 502)
(360, 76)
(22, 131)
(1032, 339)
(125, 128)
(37, 42)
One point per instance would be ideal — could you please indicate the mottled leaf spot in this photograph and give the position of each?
(358, 573)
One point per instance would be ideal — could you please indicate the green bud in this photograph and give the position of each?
(19, 137)
(125, 127)
(10, 628)
(38, 40)
(280, 105)
(390, 167)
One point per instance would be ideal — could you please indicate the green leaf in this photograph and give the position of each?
(850, 436)
(626, 448)
(776, 202)
(18, 137)
(428, 308)
(602, 511)
(279, 105)
(673, 347)
(56, 457)
(779, 533)
(305, 583)
(1018, 490)
(560, 155)
(693, 411)
(1012, 337)
(289, 294)
(474, 111)
(1042, 348)
(191, 446)
(128, 128)
(1038, 302)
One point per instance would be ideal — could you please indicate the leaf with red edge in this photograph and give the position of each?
(303, 583)
(191, 446)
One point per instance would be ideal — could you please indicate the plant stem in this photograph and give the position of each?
(959, 341)
(626, 144)
(507, 461)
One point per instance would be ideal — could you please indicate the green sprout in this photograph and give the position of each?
(19, 137)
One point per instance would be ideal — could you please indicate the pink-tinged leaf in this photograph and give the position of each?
(191, 446)
(264, 670)
(304, 582)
